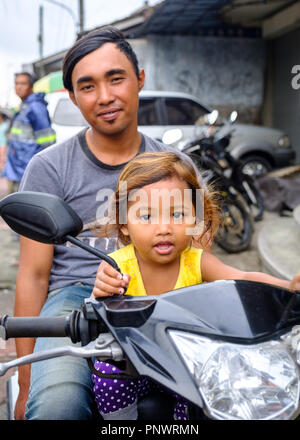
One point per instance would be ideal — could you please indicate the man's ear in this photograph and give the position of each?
(72, 97)
(124, 230)
(141, 79)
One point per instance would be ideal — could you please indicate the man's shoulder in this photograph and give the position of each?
(154, 145)
(56, 163)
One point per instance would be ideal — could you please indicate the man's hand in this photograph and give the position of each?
(109, 281)
(24, 382)
(295, 283)
(21, 404)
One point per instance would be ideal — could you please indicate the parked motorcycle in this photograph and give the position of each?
(216, 143)
(230, 348)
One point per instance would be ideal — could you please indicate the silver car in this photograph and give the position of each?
(259, 148)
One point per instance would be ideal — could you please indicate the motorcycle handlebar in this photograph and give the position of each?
(31, 327)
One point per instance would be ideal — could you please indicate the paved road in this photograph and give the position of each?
(248, 260)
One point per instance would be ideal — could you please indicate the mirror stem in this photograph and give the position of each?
(94, 251)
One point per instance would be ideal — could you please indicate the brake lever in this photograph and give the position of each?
(104, 347)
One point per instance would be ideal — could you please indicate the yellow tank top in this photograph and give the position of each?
(189, 269)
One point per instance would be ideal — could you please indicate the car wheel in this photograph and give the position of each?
(255, 166)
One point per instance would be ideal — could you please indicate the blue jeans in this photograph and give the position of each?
(61, 388)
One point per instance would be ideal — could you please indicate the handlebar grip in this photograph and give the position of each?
(37, 326)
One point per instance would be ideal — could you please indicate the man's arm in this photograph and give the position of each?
(31, 292)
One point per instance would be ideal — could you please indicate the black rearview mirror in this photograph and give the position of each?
(45, 218)
(42, 217)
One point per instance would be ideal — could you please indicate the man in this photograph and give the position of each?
(30, 131)
(102, 76)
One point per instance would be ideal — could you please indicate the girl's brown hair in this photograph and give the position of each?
(148, 168)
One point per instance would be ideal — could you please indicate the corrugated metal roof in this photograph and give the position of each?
(188, 17)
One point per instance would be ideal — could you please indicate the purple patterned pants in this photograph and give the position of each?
(114, 396)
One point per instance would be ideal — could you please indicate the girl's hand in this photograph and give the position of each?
(295, 283)
(109, 281)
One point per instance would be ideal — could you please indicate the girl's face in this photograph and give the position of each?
(160, 219)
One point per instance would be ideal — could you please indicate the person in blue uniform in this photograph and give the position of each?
(30, 131)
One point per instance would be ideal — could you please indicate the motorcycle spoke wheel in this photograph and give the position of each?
(253, 198)
(236, 231)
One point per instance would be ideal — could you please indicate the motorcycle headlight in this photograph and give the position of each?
(284, 142)
(241, 382)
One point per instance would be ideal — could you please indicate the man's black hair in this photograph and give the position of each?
(30, 77)
(91, 42)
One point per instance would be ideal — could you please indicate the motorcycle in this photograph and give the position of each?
(230, 348)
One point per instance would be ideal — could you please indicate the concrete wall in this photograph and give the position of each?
(286, 87)
(225, 73)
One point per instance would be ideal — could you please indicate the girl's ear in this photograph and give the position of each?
(124, 230)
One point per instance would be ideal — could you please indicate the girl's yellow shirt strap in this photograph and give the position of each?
(190, 268)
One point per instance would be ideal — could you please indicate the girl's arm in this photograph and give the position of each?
(213, 269)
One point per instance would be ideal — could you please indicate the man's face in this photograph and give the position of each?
(23, 87)
(106, 90)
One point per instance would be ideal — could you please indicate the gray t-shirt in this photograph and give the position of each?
(72, 172)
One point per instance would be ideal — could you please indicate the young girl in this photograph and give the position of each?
(164, 234)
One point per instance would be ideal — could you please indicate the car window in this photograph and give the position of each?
(148, 113)
(66, 113)
(182, 111)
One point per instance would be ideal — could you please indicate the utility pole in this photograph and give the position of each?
(41, 40)
(81, 15)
